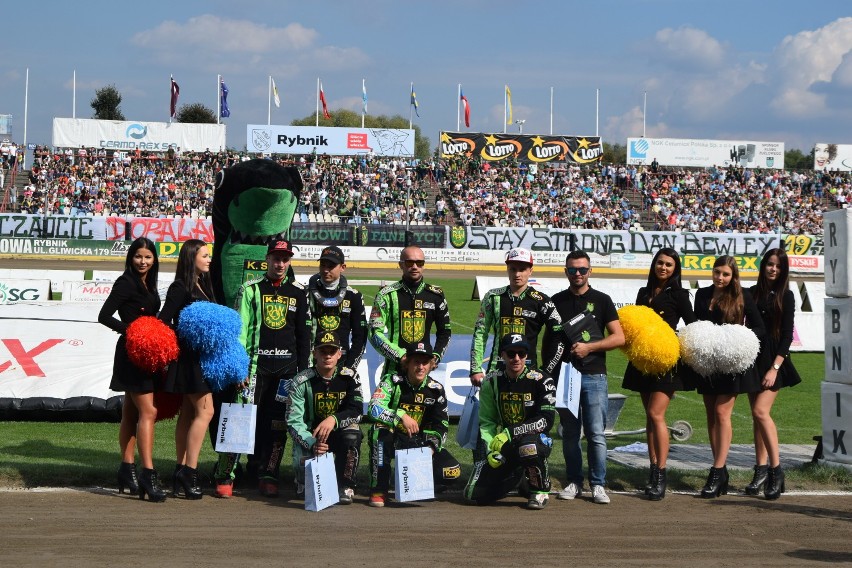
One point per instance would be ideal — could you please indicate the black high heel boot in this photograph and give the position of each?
(658, 491)
(717, 483)
(652, 477)
(187, 477)
(757, 481)
(774, 483)
(175, 483)
(149, 484)
(127, 478)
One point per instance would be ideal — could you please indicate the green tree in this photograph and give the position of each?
(794, 159)
(195, 113)
(348, 119)
(106, 104)
(614, 153)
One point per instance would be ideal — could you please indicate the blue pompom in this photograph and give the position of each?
(206, 326)
(226, 366)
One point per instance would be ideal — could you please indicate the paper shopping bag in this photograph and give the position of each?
(414, 481)
(468, 432)
(568, 389)
(237, 423)
(320, 483)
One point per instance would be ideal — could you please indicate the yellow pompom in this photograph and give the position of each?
(649, 343)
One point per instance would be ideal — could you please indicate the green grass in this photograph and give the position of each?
(72, 454)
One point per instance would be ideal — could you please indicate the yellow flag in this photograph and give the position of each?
(275, 96)
(509, 104)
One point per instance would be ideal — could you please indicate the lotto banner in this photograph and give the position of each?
(535, 148)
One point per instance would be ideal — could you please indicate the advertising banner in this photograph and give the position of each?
(334, 141)
(832, 157)
(13, 290)
(535, 148)
(129, 135)
(697, 153)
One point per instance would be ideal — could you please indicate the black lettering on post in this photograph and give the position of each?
(832, 234)
(835, 321)
(835, 358)
(839, 446)
(833, 264)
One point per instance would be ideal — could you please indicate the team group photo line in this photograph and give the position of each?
(253, 361)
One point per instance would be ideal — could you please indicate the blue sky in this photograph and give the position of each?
(767, 71)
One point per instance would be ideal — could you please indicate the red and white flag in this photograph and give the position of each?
(324, 106)
(466, 109)
(175, 95)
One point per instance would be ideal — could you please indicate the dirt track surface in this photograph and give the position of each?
(103, 528)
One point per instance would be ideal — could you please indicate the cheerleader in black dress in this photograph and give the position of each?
(724, 302)
(665, 295)
(776, 304)
(133, 295)
(192, 284)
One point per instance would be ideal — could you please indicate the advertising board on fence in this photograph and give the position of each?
(13, 290)
(333, 141)
(130, 135)
(700, 153)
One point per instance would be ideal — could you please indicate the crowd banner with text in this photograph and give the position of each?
(332, 141)
(534, 148)
(146, 136)
(698, 153)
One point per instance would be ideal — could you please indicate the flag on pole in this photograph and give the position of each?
(509, 104)
(275, 96)
(175, 95)
(414, 101)
(466, 109)
(225, 112)
(364, 94)
(324, 106)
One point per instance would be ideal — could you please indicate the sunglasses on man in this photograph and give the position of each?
(409, 263)
(573, 270)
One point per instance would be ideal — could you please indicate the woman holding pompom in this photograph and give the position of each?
(134, 295)
(774, 299)
(665, 295)
(192, 284)
(724, 302)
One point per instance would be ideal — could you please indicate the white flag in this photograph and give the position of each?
(275, 95)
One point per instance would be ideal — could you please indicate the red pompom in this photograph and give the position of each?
(151, 344)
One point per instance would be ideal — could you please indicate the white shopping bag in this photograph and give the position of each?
(414, 480)
(568, 389)
(320, 483)
(237, 423)
(468, 431)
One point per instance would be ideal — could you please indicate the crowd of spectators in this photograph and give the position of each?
(371, 189)
(626, 197)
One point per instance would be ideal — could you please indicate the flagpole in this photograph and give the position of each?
(318, 90)
(171, 86)
(410, 105)
(74, 97)
(218, 99)
(269, 102)
(597, 109)
(644, 113)
(26, 111)
(363, 105)
(458, 110)
(551, 111)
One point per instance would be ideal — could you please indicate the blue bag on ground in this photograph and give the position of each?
(468, 431)
(414, 477)
(320, 483)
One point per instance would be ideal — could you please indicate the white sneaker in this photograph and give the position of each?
(571, 490)
(599, 495)
(346, 495)
(537, 501)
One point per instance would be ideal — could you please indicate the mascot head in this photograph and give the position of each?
(254, 204)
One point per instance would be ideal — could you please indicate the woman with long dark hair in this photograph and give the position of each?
(192, 284)
(724, 302)
(775, 301)
(133, 295)
(664, 294)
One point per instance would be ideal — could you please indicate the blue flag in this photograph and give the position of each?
(414, 101)
(225, 112)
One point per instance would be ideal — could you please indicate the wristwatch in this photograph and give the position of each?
(776, 366)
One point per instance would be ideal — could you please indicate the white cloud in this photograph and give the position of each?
(691, 47)
(808, 58)
(213, 34)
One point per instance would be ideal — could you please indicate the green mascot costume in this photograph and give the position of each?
(253, 205)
